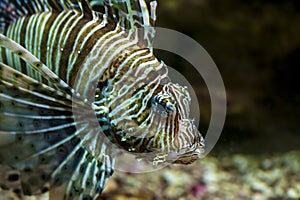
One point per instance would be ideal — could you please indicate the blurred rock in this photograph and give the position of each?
(241, 177)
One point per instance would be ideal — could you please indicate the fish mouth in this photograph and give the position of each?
(187, 155)
(190, 148)
(184, 156)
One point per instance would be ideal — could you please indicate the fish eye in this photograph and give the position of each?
(163, 102)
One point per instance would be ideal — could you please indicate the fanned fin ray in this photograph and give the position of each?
(132, 14)
(39, 132)
(45, 144)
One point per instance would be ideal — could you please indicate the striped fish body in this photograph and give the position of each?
(100, 83)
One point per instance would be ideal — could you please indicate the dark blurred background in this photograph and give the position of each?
(256, 46)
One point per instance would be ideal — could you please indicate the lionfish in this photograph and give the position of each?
(75, 77)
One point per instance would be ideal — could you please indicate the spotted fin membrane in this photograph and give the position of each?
(40, 145)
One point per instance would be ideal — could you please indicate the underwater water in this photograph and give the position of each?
(256, 47)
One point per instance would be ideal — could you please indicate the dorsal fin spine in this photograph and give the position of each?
(153, 8)
(145, 13)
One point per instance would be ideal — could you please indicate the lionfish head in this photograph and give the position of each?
(154, 119)
(182, 142)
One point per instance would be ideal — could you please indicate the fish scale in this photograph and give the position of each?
(73, 81)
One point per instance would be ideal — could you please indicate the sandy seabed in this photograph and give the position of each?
(226, 177)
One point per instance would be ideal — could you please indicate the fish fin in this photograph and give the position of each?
(56, 161)
(11, 10)
(10, 180)
(132, 14)
(24, 110)
(38, 131)
(88, 178)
